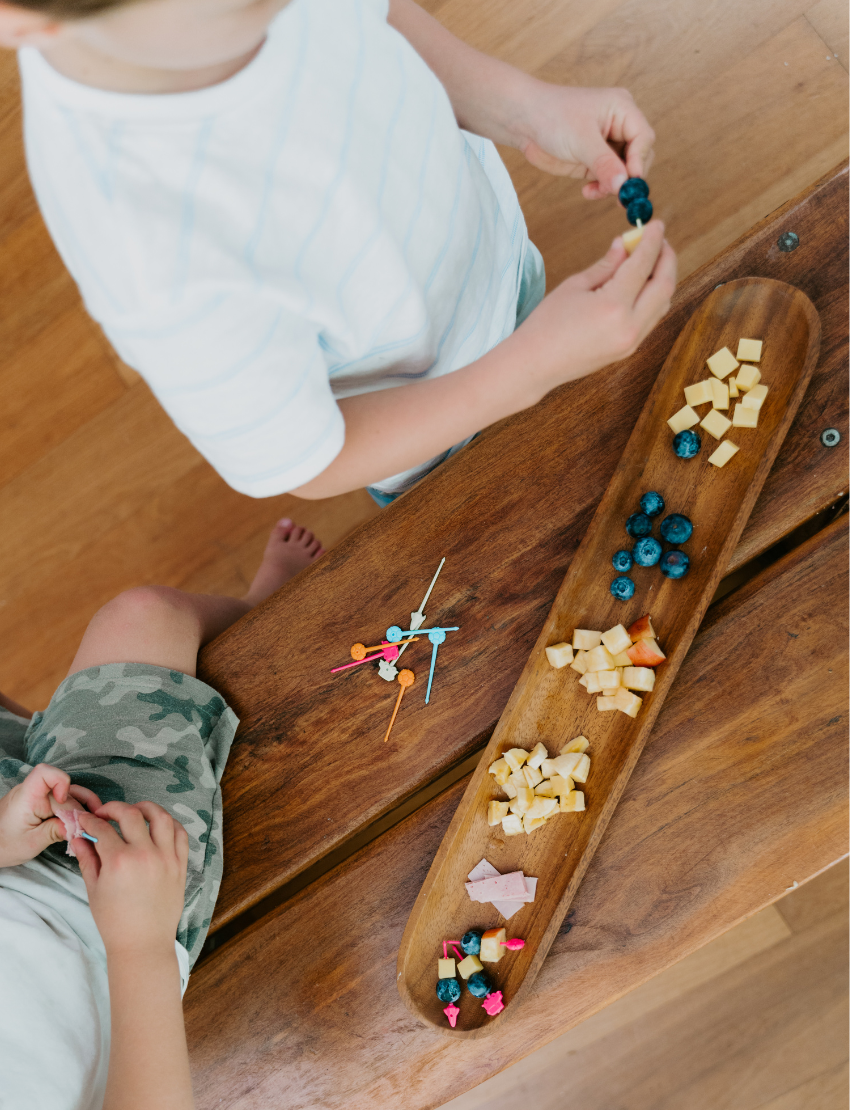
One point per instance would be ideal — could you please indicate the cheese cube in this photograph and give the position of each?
(747, 377)
(755, 398)
(572, 802)
(616, 639)
(562, 784)
(631, 238)
(684, 418)
(511, 825)
(574, 765)
(744, 417)
(469, 966)
(608, 680)
(722, 363)
(510, 790)
(600, 659)
(719, 394)
(496, 811)
(733, 388)
(723, 453)
(749, 350)
(580, 745)
(559, 655)
(699, 393)
(545, 789)
(492, 948)
(578, 663)
(639, 678)
(538, 754)
(446, 969)
(501, 770)
(591, 682)
(532, 776)
(716, 424)
(529, 824)
(515, 758)
(627, 703)
(584, 639)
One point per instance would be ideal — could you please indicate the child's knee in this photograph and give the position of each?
(149, 607)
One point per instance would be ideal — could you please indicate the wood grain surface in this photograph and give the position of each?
(508, 512)
(741, 790)
(549, 705)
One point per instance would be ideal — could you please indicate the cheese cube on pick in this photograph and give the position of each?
(616, 639)
(584, 639)
(744, 417)
(492, 948)
(723, 454)
(716, 424)
(684, 418)
(755, 398)
(631, 238)
(747, 377)
(722, 363)
(749, 350)
(699, 393)
(719, 394)
(469, 966)
(559, 655)
(445, 969)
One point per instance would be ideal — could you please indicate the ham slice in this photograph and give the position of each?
(71, 821)
(511, 887)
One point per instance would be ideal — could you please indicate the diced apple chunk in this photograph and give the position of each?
(532, 776)
(512, 824)
(501, 770)
(616, 639)
(561, 784)
(639, 678)
(755, 398)
(574, 765)
(529, 824)
(591, 682)
(545, 789)
(642, 630)
(747, 377)
(722, 363)
(627, 703)
(572, 802)
(600, 659)
(646, 653)
(719, 394)
(469, 966)
(716, 424)
(683, 419)
(699, 393)
(496, 811)
(744, 417)
(542, 807)
(522, 802)
(509, 789)
(492, 948)
(621, 659)
(580, 744)
(585, 678)
(548, 768)
(608, 680)
(584, 639)
(749, 350)
(559, 655)
(605, 704)
(538, 754)
(515, 757)
(723, 453)
(579, 662)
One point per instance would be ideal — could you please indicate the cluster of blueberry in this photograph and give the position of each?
(647, 551)
(634, 197)
(480, 984)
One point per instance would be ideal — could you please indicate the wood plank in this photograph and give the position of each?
(509, 523)
(829, 19)
(741, 789)
(804, 907)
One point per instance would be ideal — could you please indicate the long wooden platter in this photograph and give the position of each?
(549, 705)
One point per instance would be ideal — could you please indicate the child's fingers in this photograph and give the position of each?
(43, 835)
(604, 269)
(162, 825)
(633, 275)
(654, 300)
(43, 780)
(129, 818)
(89, 861)
(181, 843)
(88, 797)
(108, 840)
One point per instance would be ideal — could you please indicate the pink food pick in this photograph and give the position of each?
(514, 944)
(451, 1011)
(390, 653)
(493, 1003)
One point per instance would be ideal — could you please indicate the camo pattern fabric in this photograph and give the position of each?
(129, 732)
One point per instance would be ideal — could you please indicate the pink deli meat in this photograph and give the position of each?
(511, 887)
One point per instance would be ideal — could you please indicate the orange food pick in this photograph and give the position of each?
(405, 678)
(358, 651)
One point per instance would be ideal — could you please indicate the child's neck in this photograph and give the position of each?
(80, 62)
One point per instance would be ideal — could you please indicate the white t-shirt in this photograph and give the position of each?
(315, 227)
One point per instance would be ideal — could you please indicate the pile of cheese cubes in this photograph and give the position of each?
(613, 664)
(744, 385)
(538, 787)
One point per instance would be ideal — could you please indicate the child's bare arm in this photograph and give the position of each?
(13, 706)
(594, 318)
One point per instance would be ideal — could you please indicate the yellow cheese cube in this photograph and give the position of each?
(684, 418)
(515, 758)
(747, 377)
(608, 680)
(538, 754)
(496, 811)
(616, 639)
(600, 659)
(723, 453)
(511, 825)
(755, 398)
(469, 966)
(744, 417)
(532, 776)
(716, 424)
(733, 388)
(699, 393)
(722, 363)
(719, 394)
(559, 655)
(584, 639)
(578, 663)
(749, 350)
(580, 745)
(445, 969)
(631, 238)
(639, 678)
(572, 802)
(492, 948)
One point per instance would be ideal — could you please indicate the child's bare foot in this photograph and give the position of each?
(290, 549)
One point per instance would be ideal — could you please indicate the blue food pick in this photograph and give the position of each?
(647, 552)
(639, 525)
(686, 444)
(471, 942)
(622, 561)
(479, 984)
(623, 588)
(676, 528)
(652, 503)
(639, 209)
(448, 990)
(674, 564)
(633, 189)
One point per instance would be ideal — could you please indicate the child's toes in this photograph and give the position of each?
(307, 539)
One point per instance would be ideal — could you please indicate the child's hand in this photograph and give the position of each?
(135, 885)
(598, 134)
(27, 823)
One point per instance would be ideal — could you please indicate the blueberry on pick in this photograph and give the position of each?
(622, 561)
(674, 564)
(676, 528)
(623, 588)
(471, 942)
(686, 444)
(479, 984)
(640, 209)
(639, 525)
(633, 189)
(652, 503)
(647, 552)
(448, 990)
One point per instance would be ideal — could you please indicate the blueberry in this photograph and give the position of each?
(633, 189)
(639, 525)
(448, 990)
(652, 503)
(647, 552)
(471, 942)
(479, 984)
(623, 588)
(622, 560)
(674, 564)
(686, 444)
(640, 209)
(676, 528)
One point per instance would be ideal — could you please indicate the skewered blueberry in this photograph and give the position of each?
(647, 552)
(652, 503)
(639, 525)
(479, 984)
(674, 564)
(633, 189)
(640, 209)
(686, 444)
(623, 588)
(448, 990)
(676, 528)
(471, 942)
(622, 560)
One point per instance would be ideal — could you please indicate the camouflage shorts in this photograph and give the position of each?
(129, 731)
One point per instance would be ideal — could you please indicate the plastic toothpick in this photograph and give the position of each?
(388, 653)
(387, 670)
(451, 1011)
(405, 679)
(394, 633)
(514, 944)
(417, 619)
(436, 637)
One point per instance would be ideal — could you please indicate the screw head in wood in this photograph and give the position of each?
(788, 241)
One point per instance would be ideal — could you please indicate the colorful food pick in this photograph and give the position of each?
(437, 637)
(394, 633)
(451, 1013)
(388, 652)
(493, 1003)
(405, 678)
(417, 618)
(514, 944)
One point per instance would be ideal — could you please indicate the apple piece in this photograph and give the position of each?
(522, 802)
(722, 363)
(699, 393)
(724, 453)
(748, 377)
(600, 659)
(749, 350)
(584, 639)
(538, 754)
(446, 968)
(719, 394)
(510, 790)
(616, 639)
(642, 630)
(639, 678)
(627, 703)
(529, 824)
(584, 680)
(733, 388)
(496, 811)
(716, 424)
(580, 744)
(572, 802)
(501, 770)
(604, 704)
(591, 682)
(621, 659)
(469, 966)
(574, 765)
(744, 417)
(515, 758)
(541, 807)
(492, 948)
(517, 778)
(608, 681)
(561, 784)
(631, 238)
(685, 418)
(548, 768)
(545, 789)
(532, 776)
(512, 824)
(579, 663)
(559, 655)
(755, 398)
(646, 653)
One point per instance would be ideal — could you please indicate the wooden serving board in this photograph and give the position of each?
(549, 705)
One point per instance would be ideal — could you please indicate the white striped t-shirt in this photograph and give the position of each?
(315, 227)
